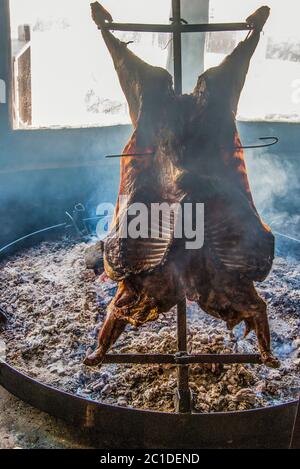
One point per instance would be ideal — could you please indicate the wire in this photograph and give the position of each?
(286, 236)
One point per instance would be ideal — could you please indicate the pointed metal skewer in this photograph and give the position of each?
(126, 155)
(275, 141)
(241, 147)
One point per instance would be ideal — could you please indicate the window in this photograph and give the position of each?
(63, 74)
(272, 90)
(2, 92)
(64, 77)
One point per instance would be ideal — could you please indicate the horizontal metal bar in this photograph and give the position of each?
(219, 359)
(178, 359)
(174, 28)
(139, 359)
(126, 155)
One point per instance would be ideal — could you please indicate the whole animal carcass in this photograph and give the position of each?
(186, 151)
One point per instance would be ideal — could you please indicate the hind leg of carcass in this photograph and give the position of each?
(256, 319)
(262, 331)
(243, 304)
(110, 331)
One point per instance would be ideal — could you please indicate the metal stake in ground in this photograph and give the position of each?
(183, 393)
(177, 50)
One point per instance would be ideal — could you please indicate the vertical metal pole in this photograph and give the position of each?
(183, 398)
(181, 327)
(6, 64)
(183, 401)
(295, 441)
(177, 47)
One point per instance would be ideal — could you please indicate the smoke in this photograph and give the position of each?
(276, 190)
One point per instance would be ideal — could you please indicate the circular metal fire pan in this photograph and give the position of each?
(113, 426)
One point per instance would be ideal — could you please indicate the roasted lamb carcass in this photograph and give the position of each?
(191, 154)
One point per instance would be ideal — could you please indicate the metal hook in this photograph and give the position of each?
(78, 220)
(275, 141)
(242, 147)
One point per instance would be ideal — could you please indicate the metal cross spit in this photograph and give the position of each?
(178, 26)
(182, 358)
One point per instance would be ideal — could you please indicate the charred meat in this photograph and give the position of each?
(195, 156)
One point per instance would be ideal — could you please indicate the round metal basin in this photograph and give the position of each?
(117, 427)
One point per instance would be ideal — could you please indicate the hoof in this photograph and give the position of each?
(259, 18)
(270, 361)
(100, 14)
(95, 358)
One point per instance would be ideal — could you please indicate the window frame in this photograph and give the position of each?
(33, 149)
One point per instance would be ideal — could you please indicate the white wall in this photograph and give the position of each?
(2, 92)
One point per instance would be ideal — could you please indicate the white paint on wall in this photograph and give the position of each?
(2, 92)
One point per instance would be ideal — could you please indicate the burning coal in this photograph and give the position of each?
(54, 305)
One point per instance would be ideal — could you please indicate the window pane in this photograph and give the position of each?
(64, 75)
(68, 73)
(272, 90)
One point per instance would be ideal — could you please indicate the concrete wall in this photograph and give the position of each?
(45, 172)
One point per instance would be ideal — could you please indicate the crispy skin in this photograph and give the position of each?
(194, 139)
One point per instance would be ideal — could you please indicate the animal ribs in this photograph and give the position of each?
(196, 157)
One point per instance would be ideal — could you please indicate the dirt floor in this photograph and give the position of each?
(23, 427)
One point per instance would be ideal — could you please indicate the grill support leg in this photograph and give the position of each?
(176, 7)
(183, 397)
